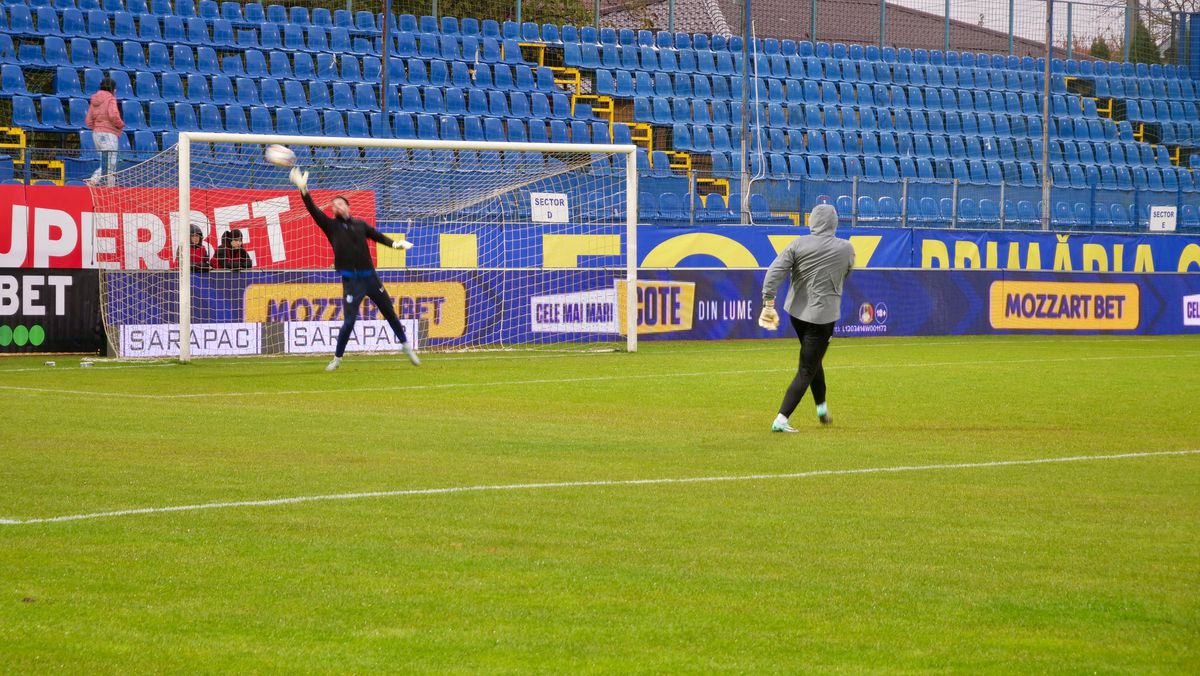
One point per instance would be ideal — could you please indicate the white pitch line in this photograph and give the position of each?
(587, 484)
(583, 379)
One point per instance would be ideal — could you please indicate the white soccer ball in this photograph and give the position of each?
(280, 156)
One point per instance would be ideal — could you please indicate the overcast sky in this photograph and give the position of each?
(1087, 19)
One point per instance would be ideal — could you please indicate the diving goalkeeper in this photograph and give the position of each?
(816, 265)
(351, 258)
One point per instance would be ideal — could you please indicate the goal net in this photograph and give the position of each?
(515, 246)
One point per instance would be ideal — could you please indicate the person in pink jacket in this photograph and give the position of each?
(104, 119)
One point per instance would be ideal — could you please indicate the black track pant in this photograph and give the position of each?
(814, 340)
(355, 285)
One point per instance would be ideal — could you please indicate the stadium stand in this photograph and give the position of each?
(824, 120)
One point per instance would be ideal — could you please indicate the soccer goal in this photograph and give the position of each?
(516, 246)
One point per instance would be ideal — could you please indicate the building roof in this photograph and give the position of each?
(846, 21)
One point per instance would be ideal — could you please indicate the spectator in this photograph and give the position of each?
(104, 119)
(231, 255)
(199, 251)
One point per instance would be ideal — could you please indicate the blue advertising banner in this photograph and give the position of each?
(959, 249)
(751, 247)
(725, 304)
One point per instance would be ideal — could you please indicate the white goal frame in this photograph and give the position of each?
(185, 200)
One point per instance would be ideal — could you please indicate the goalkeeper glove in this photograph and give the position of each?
(768, 318)
(299, 179)
(401, 244)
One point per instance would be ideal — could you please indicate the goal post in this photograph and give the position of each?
(490, 268)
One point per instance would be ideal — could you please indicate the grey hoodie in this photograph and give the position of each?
(817, 264)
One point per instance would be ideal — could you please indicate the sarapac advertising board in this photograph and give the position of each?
(47, 310)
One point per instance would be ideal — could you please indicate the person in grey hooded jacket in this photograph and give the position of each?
(815, 265)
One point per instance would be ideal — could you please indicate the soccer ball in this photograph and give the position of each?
(280, 156)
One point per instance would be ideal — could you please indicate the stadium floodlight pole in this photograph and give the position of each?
(1011, 26)
(1070, 38)
(946, 36)
(183, 238)
(882, 24)
(744, 207)
(1130, 12)
(1046, 178)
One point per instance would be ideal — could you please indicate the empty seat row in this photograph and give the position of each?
(251, 13)
(986, 212)
(278, 64)
(1174, 89)
(796, 166)
(670, 208)
(309, 121)
(197, 31)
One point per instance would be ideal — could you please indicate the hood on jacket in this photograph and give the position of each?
(229, 236)
(101, 99)
(195, 230)
(823, 220)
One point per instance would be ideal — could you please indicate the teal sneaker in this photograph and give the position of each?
(823, 415)
(782, 427)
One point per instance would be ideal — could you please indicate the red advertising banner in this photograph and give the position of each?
(61, 227)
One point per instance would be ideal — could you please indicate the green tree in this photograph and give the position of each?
(1143, 49)
(1100, 49)
(539, 11)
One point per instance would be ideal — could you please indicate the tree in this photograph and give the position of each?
(1100, 49)
(539, 11)
(1143, 49)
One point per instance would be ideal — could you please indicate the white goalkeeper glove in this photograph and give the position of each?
(768, 318)
(401, 244)
(299, 179)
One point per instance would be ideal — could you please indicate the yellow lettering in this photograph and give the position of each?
(966, 255)
(1094, 256)
(1143, 260)
(864, 248)
(1014, 256)
(1033, 257)
(1189, 257)
(563, 251)
(934, 254)
(781, 242)
(459, 251)
(1118, 258)
(730, 252)
(993, 255)
(1062, 253)
(387, 257)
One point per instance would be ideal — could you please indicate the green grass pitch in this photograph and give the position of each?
(1079, 566)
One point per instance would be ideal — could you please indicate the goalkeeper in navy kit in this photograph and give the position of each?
(816, 265)
(352, 260)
